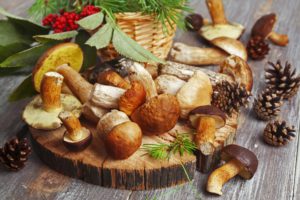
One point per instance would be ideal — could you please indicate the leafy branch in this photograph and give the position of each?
(181, 144)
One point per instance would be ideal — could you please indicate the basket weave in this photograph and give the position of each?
(146, 31)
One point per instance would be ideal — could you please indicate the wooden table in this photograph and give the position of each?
(278, 174)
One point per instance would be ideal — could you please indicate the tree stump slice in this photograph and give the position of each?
(94, 165)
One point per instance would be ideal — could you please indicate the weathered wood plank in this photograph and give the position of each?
(278, 175)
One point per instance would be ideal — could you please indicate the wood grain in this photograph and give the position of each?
(278, 175)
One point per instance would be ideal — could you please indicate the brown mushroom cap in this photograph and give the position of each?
(208, 111)
(245, 157)
(80, 144)
(264, 25)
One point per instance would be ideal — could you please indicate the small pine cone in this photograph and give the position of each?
(283, 80)
(278, 133)
(267, 105)
(229, 97)
(15, 153)
(257, 48)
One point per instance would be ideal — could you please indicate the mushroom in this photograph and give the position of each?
(64, 53)
(208, 56)
(42, 112)
(168, 84)
(109, 77)
(206, 119)
(132, 98)
(121, 136)
(77, 84)
(264, 28)
(106, 96)
(92, 112)
(219, 26)
(138, 73)
(196, 92)
(239, 161)
(158, 115)
(76, 137)
(239, 70)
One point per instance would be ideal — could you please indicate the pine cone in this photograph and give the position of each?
(267, 105)
(15, 153)
(257, 48)
(282, 79)
(277, 133)
(230, 97)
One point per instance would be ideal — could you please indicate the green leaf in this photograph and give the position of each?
(28, 26)
(131, 49)
(26, 58)
(91, 22)
(15, 71)
(8, 50)
(24, 90)
(56, 36)
(89, 53)
(10, 34)
(102, 37)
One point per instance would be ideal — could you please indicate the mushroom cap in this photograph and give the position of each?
(123, 140)
(210, 31)
(231, 46)
(208, 111)
(244, 156)
(81, 144)
(36, 117)
(239, 70)
(264, 25)
(64, 53)
(158, 115)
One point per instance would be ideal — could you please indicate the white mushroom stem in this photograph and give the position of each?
(279, 39)
(51, 90)
(216, 10)
(197, 56)
(77, 84)
(205, 135)
(72, 124)
(106, 96)
(168, 84)
(220, 176)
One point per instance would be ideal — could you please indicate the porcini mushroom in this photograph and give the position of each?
(42, 112)
(64, 53)
(168, 84)
(110, 77)
(76, 137)
(137, 72)
(158, 115)
(206, 119)
(93, 112)
(239, 70)
(196, 92)
(132, 98)
(219, 26)
(239, 161)
(208, 56)
(264, 28)
(121, 136)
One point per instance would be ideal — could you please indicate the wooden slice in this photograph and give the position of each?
(93, 165)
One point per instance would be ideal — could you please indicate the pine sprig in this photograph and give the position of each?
(161, 151)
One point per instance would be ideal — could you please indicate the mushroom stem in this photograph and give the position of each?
(220, 176)
(216, 10)
(112, 78)
(197, 56)
(77, 84)
(279, 39)
(205, 135)
(51, 90)
(72, 125)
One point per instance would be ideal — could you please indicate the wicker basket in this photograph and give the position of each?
(146, 31)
